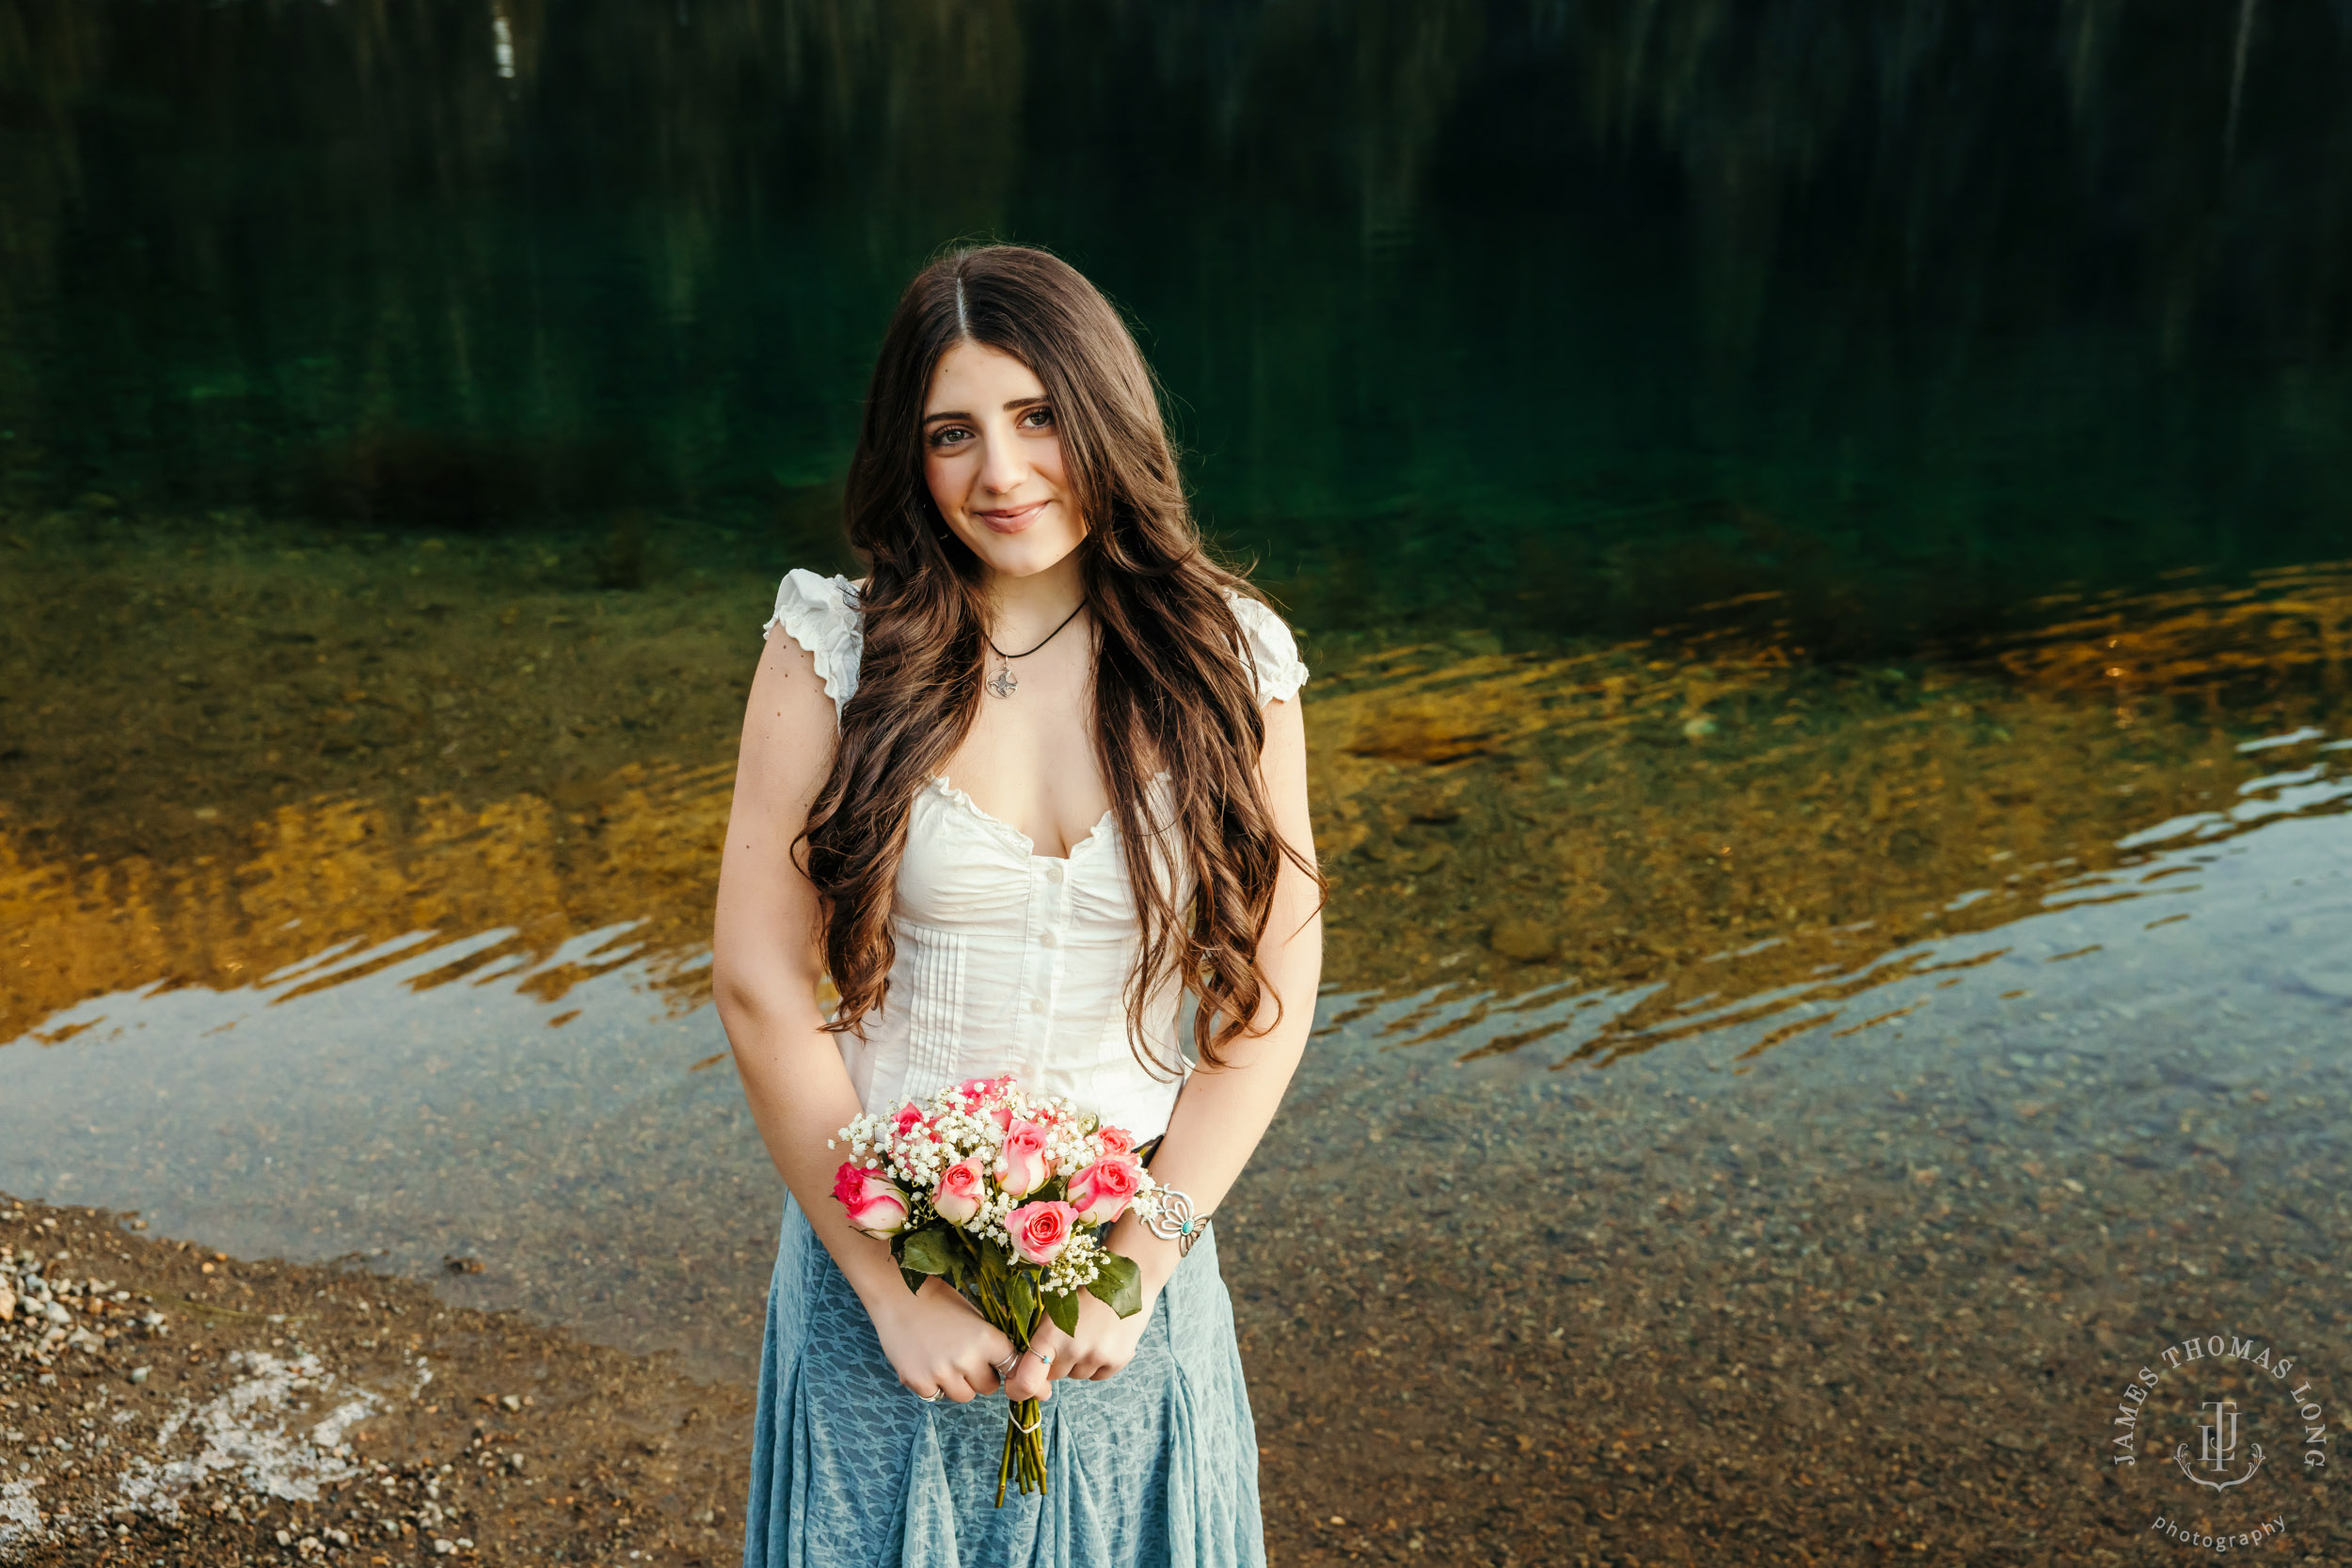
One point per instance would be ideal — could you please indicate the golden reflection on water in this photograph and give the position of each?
(1707, 813)
(342, 871)
(2289, 623)
(1703, 811)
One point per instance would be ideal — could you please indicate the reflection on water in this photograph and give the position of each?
(336, 874)
(1703, 811)
(1582, 312)
(1712, 812)
(2196, 868)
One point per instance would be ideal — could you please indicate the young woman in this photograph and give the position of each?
(1034, 793)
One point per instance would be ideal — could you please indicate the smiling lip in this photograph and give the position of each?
(1011, 519)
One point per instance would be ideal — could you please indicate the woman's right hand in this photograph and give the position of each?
(937, 1343)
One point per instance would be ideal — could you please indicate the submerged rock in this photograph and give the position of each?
(1523, 940)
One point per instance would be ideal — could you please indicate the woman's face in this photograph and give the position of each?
(992, 456)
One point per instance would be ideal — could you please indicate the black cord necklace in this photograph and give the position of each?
(1002, 683)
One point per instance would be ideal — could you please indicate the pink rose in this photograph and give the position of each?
(1022, 1169)
(958, 1195)
(877, 1205)
(1040, 1230)
(910, 1117)
(849, 1182)
(1116, 1140)
(1102, 1192)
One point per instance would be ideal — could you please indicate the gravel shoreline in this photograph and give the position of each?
(164, 1404)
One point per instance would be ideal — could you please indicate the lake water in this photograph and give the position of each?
(1821, 535)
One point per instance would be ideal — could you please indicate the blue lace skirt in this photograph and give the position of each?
(1157, 1467)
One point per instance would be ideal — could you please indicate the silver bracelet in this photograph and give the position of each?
(1172, 1220)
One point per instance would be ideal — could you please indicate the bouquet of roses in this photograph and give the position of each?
(1005, 1198)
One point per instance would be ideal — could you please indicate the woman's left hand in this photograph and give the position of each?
(1103, 1345)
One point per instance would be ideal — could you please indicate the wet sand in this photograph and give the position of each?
(1764, 1112)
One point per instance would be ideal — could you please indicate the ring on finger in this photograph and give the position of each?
(1045, 1357)
(933, 1397)
(1004, 1367)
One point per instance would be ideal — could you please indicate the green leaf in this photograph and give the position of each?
(1063, 1309)
(928, 1251)
(1021, 1295)
(963, 1256)
(914, 1281)
(1120, 1285)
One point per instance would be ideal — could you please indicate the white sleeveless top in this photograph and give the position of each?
(1009, 960)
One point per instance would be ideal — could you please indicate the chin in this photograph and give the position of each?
(1022, 555)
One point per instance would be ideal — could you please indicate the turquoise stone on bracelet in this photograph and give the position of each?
(1172, 1220)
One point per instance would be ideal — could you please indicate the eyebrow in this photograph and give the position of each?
(1011, 406)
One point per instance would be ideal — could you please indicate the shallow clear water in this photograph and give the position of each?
(1820, 531)
(586, 1145)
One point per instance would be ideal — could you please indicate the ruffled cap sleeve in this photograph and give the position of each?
(1273, 651)
(821, 616)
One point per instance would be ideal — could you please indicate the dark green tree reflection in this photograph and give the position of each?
(1522, 312)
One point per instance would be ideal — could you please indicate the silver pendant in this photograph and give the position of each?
(1002, 684)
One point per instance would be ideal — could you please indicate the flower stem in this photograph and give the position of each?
(1024, 1458)
(1004, 1468)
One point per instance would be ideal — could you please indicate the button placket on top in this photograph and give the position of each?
(1049, 911)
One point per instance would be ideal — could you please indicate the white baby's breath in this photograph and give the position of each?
(968, 1122)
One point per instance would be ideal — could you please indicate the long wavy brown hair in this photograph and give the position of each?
(1172, 688)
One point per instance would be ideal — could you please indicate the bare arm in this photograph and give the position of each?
(764, 965)
(1222, 1113)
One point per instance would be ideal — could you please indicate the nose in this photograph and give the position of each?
(1003, 469)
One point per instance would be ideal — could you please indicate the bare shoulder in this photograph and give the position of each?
(1286, 727)
(789, 723)
(1282, 764)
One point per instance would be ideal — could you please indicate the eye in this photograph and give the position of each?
(951, 435)
(1040, 417)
